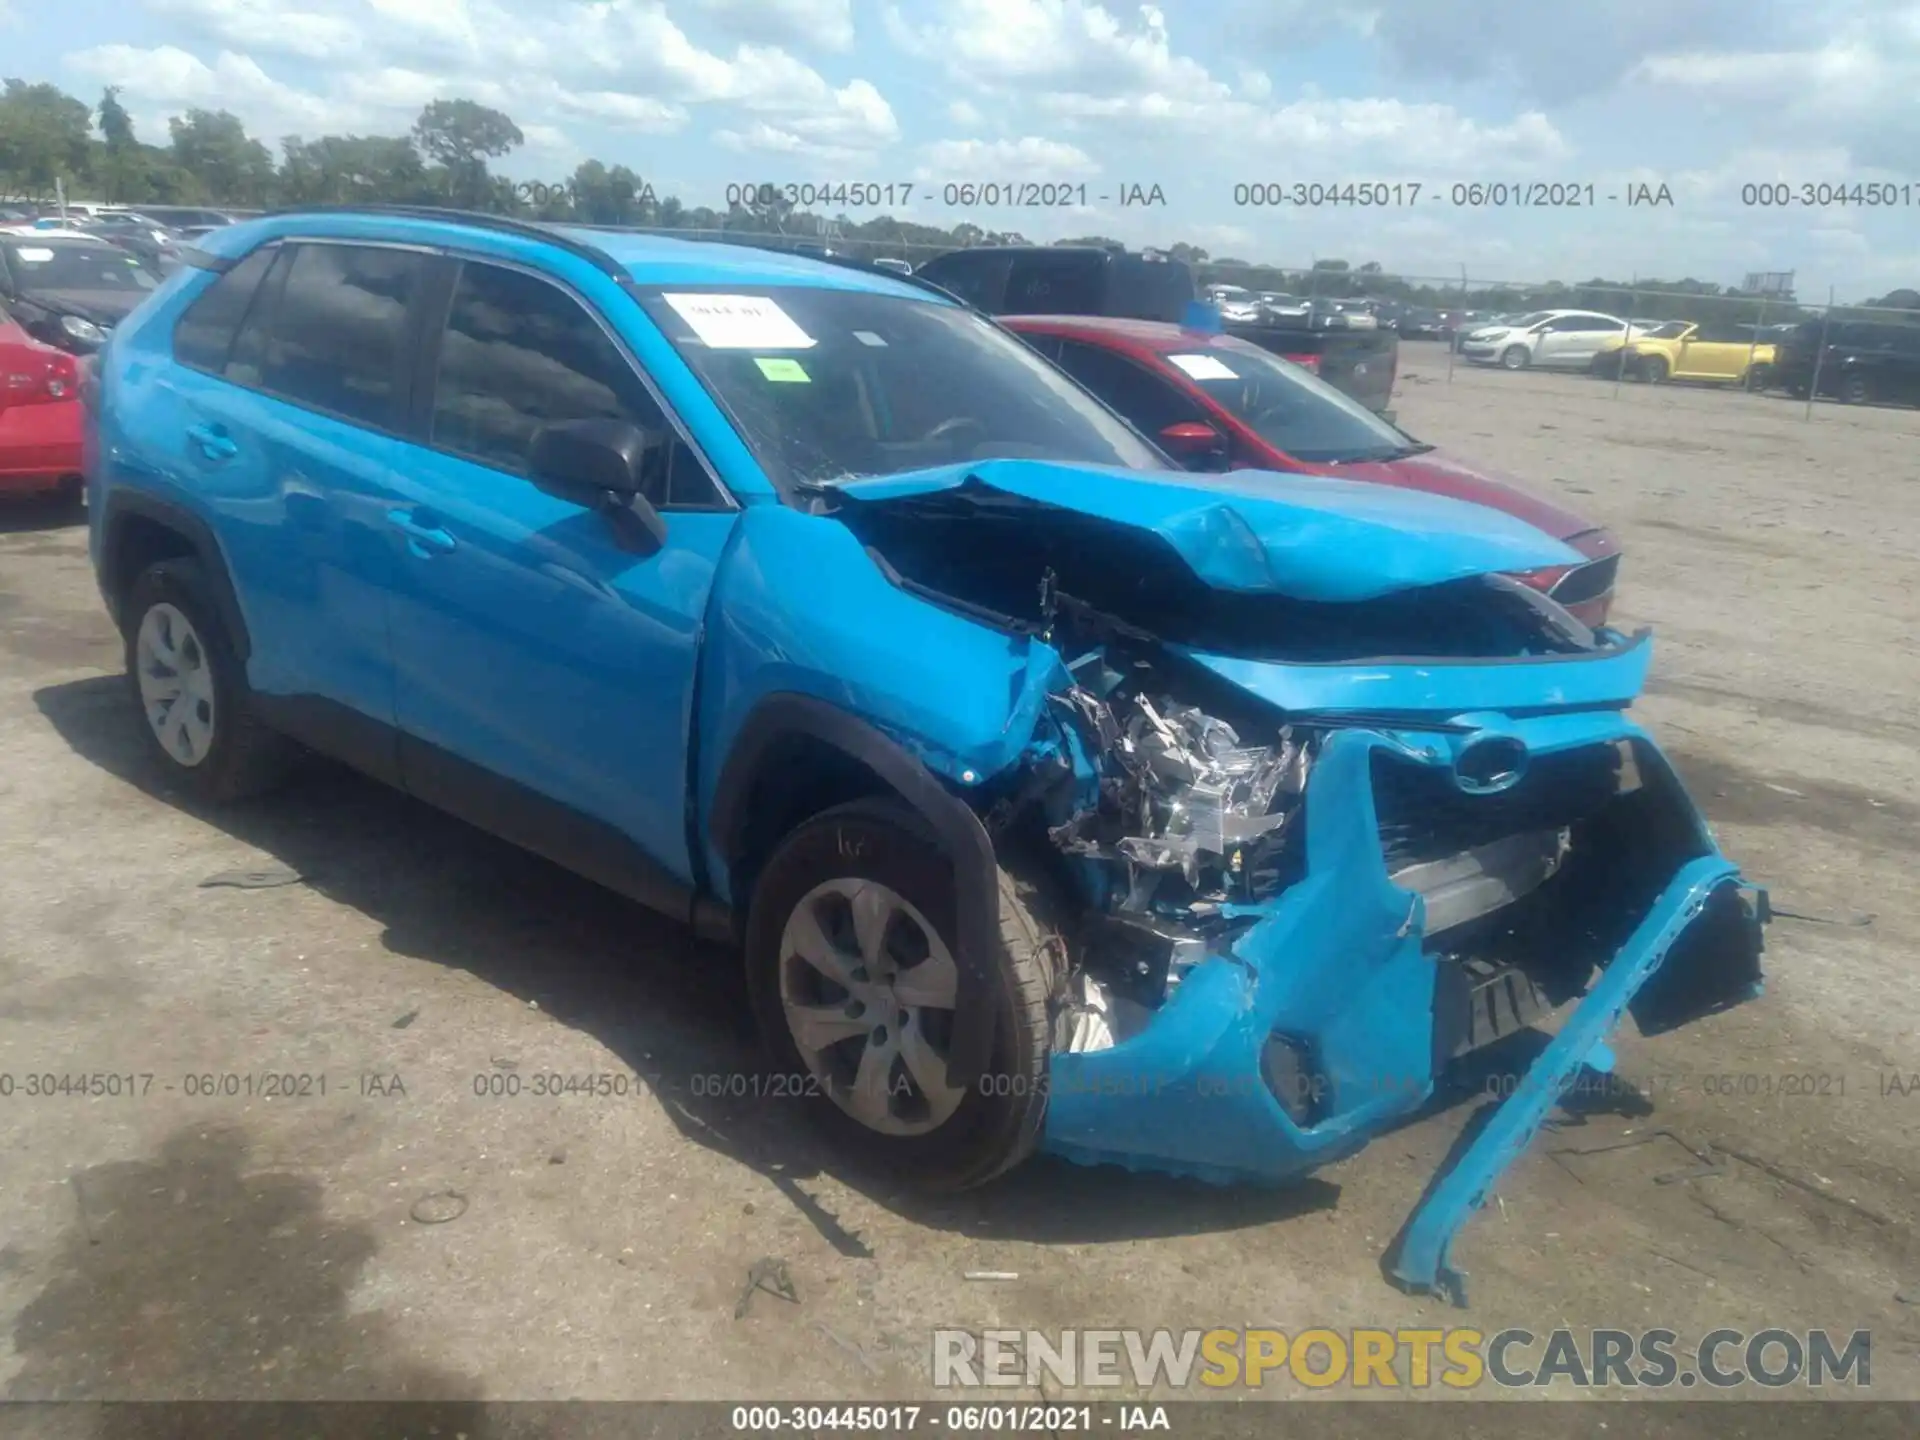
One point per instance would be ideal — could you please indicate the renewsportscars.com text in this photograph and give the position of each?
(1459, 1358)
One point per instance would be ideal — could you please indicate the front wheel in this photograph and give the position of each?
(1515, 357)
(1653, 369)
(852, 974)
(1854, 390)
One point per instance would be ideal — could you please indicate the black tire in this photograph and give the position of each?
(1759, 378)
(244, 757)
(70, 496)
(1854, 390)
(1653, 369)
(883, 840)
(1515, 357)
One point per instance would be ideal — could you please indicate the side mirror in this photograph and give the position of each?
(611, 466)
(1195, 444)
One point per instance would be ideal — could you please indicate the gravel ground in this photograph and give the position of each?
(416, 1231)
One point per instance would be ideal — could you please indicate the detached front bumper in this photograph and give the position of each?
(1334, 1014)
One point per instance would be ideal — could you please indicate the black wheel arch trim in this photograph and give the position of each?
(123, 503)
(779, 718)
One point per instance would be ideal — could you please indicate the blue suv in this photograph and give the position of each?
(1056, 797)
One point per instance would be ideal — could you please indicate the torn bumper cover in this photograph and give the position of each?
(1326, 801)
(1336, 1011)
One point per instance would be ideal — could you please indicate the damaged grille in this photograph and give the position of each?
(1423, 815)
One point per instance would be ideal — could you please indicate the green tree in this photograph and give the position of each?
(343, 169)
(45, 135)
(121, 164)
(230, 165)
(460, 136)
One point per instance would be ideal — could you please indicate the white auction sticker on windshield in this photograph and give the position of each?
(740, 322)
(1203, 367)
(33, 255)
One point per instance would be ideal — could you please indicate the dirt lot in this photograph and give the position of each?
(173, 1243)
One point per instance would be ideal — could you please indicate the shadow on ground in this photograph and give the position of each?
(669, 1007)
(25, 514)
(191, 1275)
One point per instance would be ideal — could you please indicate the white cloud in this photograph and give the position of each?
(1853, 86)
(1070, 43)
(1028, 158)
(169, 80)
(317, 65)
(1553, 53)
(803, 24)
(263, 25)
(965, 113)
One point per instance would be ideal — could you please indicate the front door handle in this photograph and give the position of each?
(213, 441)
(422, 539)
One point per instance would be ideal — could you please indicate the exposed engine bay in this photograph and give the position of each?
(1192, 821)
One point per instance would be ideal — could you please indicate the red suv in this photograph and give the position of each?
(39, 415)
(1214, 402)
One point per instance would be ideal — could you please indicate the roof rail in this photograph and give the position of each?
(479, 219)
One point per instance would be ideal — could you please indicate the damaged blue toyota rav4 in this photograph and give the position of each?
(1057, 798)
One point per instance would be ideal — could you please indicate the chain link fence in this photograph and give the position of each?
(1765, 339)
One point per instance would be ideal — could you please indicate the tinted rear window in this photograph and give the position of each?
(979, 279)
(337, 333)
(1065, 284)
(203, 338)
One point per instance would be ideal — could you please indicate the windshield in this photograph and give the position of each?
(831, 385)
(1528, 321)
(1291, 409)
(43, 265)
(1672, 330)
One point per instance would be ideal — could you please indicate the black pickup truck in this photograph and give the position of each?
(1086, 280)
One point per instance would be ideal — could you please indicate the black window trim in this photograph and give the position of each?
(427, 372)
(404, 368)
(226, 355)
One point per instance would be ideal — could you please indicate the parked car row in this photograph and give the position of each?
(1052, 795)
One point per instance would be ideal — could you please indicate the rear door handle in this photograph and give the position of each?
(213, 441)
(423, 539)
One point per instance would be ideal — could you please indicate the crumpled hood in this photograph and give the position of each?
(1307, 537)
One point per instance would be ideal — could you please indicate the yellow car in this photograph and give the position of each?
(1682, 350)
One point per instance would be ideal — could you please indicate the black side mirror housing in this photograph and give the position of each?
(611, 466)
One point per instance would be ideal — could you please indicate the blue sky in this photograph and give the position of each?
(1196, 96)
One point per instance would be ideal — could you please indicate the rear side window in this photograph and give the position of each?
(203, 337)
(337, 335)
(519, 353)
(1062, 284)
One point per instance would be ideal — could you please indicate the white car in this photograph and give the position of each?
(1550, 339)
(1235, 303)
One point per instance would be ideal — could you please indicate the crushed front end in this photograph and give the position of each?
(1307, 852)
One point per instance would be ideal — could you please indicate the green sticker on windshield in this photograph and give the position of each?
(786, 371)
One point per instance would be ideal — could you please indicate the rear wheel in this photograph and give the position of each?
(1515, 357)
(1653, 369)
(1855, 390)
(192, 689)
(1758, 378)
(852, 973)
